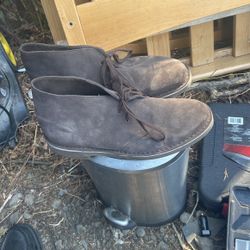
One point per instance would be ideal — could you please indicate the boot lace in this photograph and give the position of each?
(114, 79)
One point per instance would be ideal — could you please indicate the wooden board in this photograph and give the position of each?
(182, 40)
(202, 43)
(112, 23)
(221, 66)
(70, 21)
(53, 19)
(242, 34)
(159, 45)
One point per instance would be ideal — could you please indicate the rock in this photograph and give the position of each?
(185, 217)
(80, 229)
(65, 209)
(27, 215)
(3, 231)
(153, 237)
(126, 232)
(97, 224)
(98, 214)
(29, 199)
(14, 218)
(140, 232)
(98, 244)
(62, 192)
(162, 246)
(56, 204)
(84, 244)
(59, 245)
(16, 198)
(119, 242)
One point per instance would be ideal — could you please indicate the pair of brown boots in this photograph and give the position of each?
(91, 103)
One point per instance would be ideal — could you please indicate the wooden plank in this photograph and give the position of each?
(242, 34)
(113, 23)
(53, 20)
(159, 45)
(221, 66)
(177, 42)
(219, 53)
(202, 43)
(70, 21)
(138, 47)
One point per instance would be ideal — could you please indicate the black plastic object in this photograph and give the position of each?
(224, 160)
(238, 236)
(203, 223)
(12, 107)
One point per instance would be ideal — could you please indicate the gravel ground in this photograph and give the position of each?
(56, 196)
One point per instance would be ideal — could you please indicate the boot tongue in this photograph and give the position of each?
(126, 92)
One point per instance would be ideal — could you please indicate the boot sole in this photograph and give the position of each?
(30, 234)
(86, 153)
(181, 89)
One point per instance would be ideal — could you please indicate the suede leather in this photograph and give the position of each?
(155, 76)
(80, 115)
(21, 237)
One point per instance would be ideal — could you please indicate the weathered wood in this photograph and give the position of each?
(241, 34)
(181, 41)
(215, 94)
(202, 43)
(113, 23)
(219, 53)
(159, 45)
(236, 81)
(53, 19)
(70, 21)
(221, 66)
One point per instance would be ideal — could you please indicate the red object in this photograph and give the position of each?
(239, 149)
(225, 208)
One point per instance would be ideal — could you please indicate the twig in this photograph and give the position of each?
(20, 171)
(75, 196)
(226, 83)
(4, 168)
(235, 92)
(19, 219)
(57, 224)
(74, 166)
(195, 206)
(34, 146)
(35, 162)
(181, 241)
(5, 202)
(52, 185)
(10, 213)
(43, 212)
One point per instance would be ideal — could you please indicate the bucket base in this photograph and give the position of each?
(148, 197)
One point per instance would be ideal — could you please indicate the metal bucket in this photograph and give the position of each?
(139, 192)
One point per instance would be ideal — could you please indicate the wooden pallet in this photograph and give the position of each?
(155, 27)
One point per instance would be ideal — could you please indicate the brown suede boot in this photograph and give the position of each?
(155, 76)
(81, 118)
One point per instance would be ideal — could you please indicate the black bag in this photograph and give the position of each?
(13, 110)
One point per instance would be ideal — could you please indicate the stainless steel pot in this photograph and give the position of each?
(145, 193)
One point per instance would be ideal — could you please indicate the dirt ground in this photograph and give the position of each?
(56, 196)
